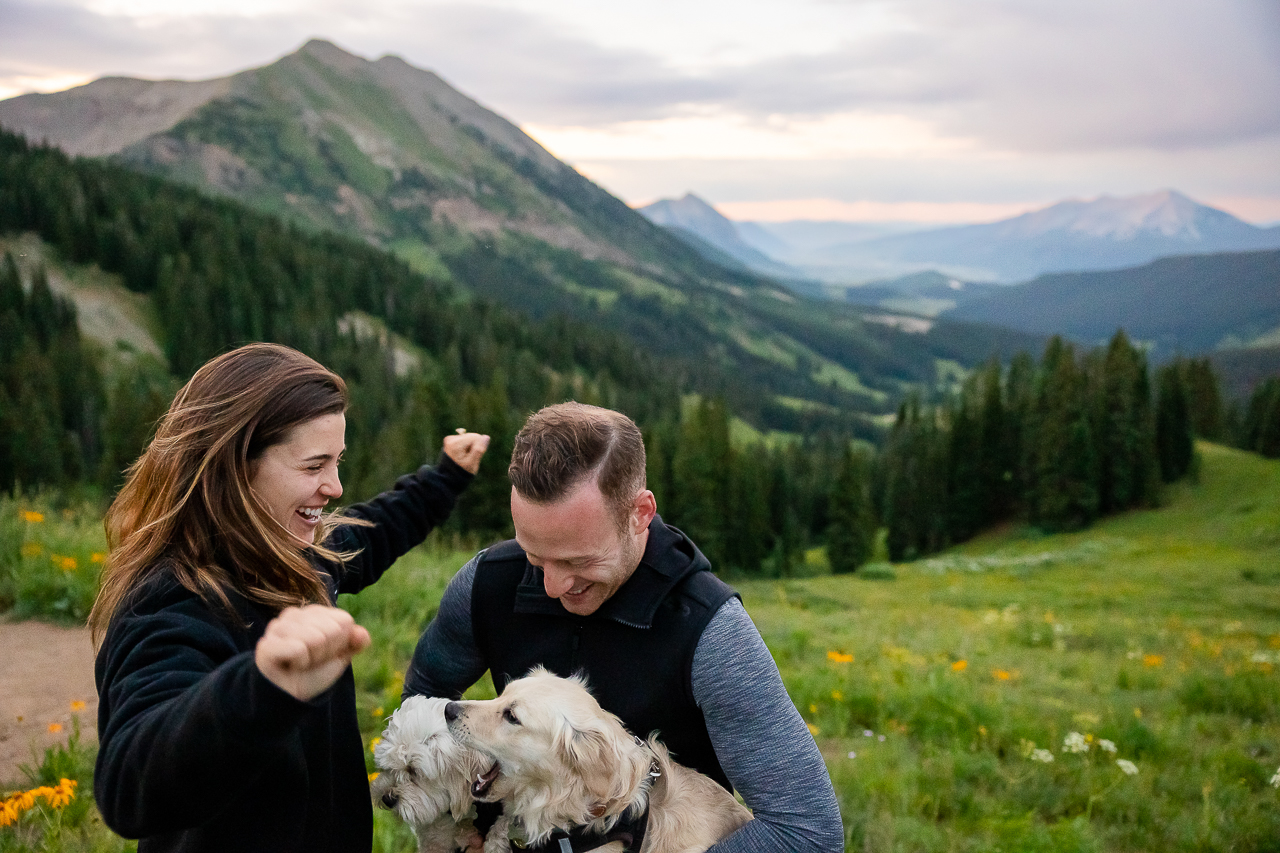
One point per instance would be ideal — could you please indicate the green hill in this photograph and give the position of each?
(1187, 304)
(394, 156)
(1158, 631)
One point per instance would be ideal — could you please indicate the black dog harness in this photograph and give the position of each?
(629, 832)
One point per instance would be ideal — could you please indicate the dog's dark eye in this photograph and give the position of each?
(412, 771)
(510, 717)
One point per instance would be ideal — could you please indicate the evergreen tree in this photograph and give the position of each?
(1174, 439)
(1204, 397)
(1261, 426)
(1064, 492)
(700, 472)
(852, 531)
(1122, 427)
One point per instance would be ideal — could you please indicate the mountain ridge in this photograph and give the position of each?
(1188, 303)
(1070, 236)
(392, 154)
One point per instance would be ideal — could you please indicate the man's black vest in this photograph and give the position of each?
(636, 650)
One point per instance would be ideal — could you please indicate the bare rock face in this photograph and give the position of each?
(108, 115)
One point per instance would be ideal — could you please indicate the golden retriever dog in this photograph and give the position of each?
(424, 776)
(560, 762)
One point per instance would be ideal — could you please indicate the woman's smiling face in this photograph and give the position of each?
(296, 478)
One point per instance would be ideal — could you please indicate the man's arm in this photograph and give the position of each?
(447, 661)
(761, 742)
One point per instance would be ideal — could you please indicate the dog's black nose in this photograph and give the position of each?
(451, 711)
(389, 800)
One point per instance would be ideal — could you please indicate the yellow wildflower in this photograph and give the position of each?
(378, 712)
(32, 517)
(960, 665)
(1001, 674)
(68, 564)
(837, 695)
(57, 796)
(372, 776)
(54, 728)
(77, 705)
(813, 730)
(1153, 660)
(97, 557)
(32, 549)
(373, 744)
(813, 709)
(839, 657)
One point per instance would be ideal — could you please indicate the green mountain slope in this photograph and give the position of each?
(392, 154)
(1188, 304)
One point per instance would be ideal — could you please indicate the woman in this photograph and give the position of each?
(227, 716)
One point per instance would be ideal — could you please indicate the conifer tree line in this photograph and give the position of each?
(1057, 443)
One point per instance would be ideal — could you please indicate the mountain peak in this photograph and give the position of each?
(330, 54)
(694, 214)
(1165, 213)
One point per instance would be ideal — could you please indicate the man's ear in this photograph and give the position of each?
(643, 509)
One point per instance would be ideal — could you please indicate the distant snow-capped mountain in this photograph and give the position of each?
(1071, 236)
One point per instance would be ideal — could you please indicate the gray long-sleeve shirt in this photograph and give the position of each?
(759, 737)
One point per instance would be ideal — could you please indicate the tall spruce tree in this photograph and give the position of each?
(1261, 426)
(1204, 397)
(1175, 445)
(1064, 493)
(852, 530)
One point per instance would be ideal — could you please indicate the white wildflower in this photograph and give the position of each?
(1042, 755)
(1275, 780)
(1107, 746)
(1075, 742)
(1129, 768)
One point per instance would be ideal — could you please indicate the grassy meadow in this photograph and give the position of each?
(1115, 689)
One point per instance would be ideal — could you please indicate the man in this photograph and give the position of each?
(595, 582)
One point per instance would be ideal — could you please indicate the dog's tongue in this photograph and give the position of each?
(483, 781)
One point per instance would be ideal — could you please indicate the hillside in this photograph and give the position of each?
(1155, 636)
(1190, 304)
(391, 154)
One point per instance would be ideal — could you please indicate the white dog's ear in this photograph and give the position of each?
(607, 763)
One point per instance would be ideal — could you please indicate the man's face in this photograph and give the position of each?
(576, 542)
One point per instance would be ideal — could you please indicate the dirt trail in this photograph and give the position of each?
(43, 670)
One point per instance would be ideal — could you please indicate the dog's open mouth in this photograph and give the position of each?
(484, 781)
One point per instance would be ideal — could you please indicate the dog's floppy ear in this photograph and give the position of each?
(606, 762)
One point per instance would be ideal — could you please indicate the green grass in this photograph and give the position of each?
(50, 553)
(1158, 631)
(931, 686)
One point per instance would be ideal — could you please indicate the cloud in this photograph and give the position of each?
(996, 101)
(1014, 74)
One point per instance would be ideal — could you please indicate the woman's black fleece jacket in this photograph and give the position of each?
(200, 752)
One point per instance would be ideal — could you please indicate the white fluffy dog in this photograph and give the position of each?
(558, 761)
(425, 777)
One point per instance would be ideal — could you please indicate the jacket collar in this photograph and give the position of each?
(669, 557)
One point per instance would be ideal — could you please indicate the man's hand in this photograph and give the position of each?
(466, 448)
(306, 649)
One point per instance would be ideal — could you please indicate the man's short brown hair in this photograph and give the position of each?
(561, 445)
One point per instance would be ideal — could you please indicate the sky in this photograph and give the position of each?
(931, 111)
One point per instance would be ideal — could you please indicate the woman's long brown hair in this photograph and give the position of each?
(187, 506)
